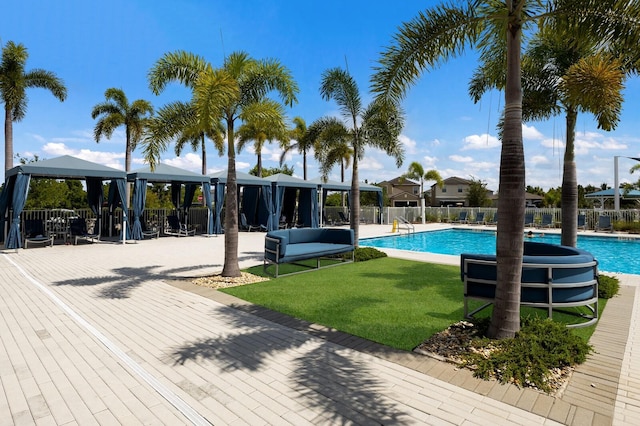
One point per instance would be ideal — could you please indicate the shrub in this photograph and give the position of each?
(367, 253)
(540, 346)
(608, 286)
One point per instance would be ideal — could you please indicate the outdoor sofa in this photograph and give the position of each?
(296, 244)
(553, 277)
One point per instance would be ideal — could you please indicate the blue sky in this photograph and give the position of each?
(93, 46)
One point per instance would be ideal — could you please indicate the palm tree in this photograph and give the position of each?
(116, 111)
(445, 31)
(178, 121)
(378, 125)
(267, 126)
(562, 72)
(231, 93)
(304, 143)
(416, 172)
(331, 140)
(14, 81)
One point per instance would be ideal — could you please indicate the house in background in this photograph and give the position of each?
(452, 193)
(402, 192)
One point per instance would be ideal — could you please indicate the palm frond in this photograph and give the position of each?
(183, 67)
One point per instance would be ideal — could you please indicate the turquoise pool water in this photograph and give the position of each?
(614, 254)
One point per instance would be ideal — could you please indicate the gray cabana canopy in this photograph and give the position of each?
(16, 188)
(164, 173)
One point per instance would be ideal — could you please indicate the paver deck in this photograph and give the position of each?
(112, 334)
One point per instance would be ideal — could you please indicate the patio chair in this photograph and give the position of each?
(343, 218)
(149, 231)
(494, 219)
(175, 227)
(547, 221)
(78, 231)
(462, 217)
(34, 233)
(479, 219)
(604, 224)
(528, 219)
(582, 221)
(245, 226)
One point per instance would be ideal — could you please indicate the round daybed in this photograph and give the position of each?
(553, 276)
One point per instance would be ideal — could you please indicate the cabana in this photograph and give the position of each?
(331, 185)
(16, 188)
(286, 190)
(163, 173)
(256, 192)
(608, 194)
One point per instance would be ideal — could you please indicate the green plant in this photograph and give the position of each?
(608, 286)
(526, 359)
(362, 254)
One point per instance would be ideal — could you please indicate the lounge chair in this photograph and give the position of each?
(462, 217)
(494, 219)
(78, 231)
(343, 218)
(479, 219)
(604, 224)
(528, 219)
(34, 233)
(547, 221)
(149, 231)
(582, 221)
(175, 227)
(245, 226)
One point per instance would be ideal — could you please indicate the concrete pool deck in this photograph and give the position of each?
(112, 334)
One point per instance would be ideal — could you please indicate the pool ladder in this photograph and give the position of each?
(405, 224)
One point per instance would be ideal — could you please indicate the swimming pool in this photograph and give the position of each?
(614, 254)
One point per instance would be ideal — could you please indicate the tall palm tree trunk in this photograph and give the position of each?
(355, 201)
(8, 140)
(231, 267)
(570, 184)
(204, 155)
(505, 320)
(127, 166)
(259, 165)
(304, 164)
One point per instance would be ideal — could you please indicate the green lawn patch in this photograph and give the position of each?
(396, 302)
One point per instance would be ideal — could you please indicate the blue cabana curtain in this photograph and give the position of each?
(139, 199)
(308, 207)
(4, 204)
(278, 200)
(265, 207)
(380, 206)
(315, 219)
(117, 197)
(95, 197)
(220, 187)
(175, 195)
(189, 192)
(288, 205)
(250, 195)
(206, 192)
(18, 200)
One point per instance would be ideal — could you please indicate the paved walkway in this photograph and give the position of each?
(106, 334)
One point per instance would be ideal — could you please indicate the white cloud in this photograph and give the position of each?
(483, 141)
(409, 144)
(370, 163)
(531, 133)
(429, 161)
(460, 159)
(190, 161)
(539, 159)
(435, 142)
(552, 143)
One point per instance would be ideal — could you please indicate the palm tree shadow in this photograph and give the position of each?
(126, 279)
(345, 390)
